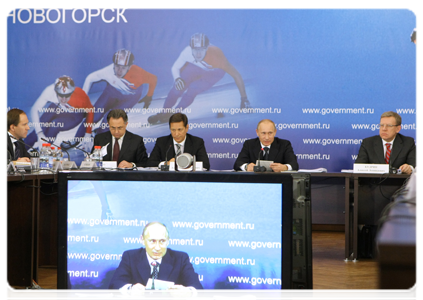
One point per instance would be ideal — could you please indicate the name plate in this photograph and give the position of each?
(109, 164)
(88, 165)
(68, 165)
(371, 168)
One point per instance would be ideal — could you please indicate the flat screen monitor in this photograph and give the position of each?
(235, 227)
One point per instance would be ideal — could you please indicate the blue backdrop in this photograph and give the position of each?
(323, 76)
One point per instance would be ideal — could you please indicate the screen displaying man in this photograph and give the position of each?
(17, 129)
(124, 88)
(389, 147)
(154, 261)
(178, 142)
(267, 147)
(120, 145)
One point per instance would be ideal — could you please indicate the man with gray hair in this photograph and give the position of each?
(154, 261)
(120, 145)
(389, 147)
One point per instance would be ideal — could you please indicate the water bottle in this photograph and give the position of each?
(50, 157)
(96, 156)
(59, 154)
(44, 157)
(53, 153)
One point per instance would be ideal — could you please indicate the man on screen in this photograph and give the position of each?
(178, 142)
(120, 145)
(155, 260)
(389, 146)
(267, 147)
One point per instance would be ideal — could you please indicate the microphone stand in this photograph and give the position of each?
(258, 168)
(165, 167)
(57, 147)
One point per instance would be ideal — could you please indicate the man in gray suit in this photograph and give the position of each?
(389, 146)
(120, 145)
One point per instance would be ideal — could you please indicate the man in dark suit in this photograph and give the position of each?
(120, 145)
(154, 261)
(274, 149)
(17, 129)
(178, 138)
(389, 146)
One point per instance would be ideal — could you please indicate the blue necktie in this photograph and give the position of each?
(17, 150)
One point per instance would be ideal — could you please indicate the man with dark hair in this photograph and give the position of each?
(178, 142)
(274, 149)
(389, 146)
(120, 145)
(17, 129)
(154, 261)
(415, 36)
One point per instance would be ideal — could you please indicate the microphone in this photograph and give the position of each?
(165, 167)
(67, 143)
(23, 143)
(258, 168)
(45, 140)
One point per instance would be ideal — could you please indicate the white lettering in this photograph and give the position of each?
(29, 18)
(104, 19)
(41, 14)
(13, 15)
(83, 19)
(120, 14)
(48, 16)
(90, 14)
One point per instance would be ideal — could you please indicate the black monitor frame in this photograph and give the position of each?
(287, 205)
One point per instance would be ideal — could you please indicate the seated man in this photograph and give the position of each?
(178, 139)
(389, 146)
(155, 260)
(274, 149)
(17, 129)
(121, 145)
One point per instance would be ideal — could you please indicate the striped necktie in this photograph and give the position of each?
(178, 151)
(388, 152)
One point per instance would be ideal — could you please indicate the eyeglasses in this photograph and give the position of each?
(387, 126)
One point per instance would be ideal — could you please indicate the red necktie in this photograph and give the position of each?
(388, 152)
(116, 150)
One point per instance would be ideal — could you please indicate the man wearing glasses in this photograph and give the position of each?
(154, 261)
(390, 146)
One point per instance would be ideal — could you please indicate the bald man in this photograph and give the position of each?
(138, 265)
(274, 149)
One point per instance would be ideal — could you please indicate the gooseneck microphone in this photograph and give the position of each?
(165, 167)
(67, 143)
(45, 140)
(259, 168)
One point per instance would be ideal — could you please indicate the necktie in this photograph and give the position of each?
(17, 150)
(178, 152)
(388, 152)
(266, 153)
(116, 150)
(155, 273)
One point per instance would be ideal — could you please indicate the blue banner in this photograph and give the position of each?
(323, 76)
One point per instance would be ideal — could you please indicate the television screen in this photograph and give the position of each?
(235, 228)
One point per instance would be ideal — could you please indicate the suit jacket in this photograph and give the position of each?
(280, 152)
(134, 268)
(11, 153)
(193, 145)
(132, 149)
(403, 151)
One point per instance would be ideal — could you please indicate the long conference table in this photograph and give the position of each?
(32, 218)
